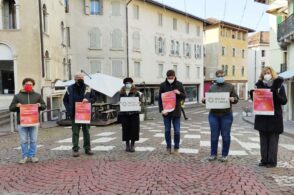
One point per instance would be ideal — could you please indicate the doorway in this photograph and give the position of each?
(7, 81)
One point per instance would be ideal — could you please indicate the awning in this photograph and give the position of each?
(278, 7)
(102, 83)
(287, 74)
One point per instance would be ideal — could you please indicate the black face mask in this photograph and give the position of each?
(80, 82)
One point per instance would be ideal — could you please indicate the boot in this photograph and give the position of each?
(132, 149)
(128, 146)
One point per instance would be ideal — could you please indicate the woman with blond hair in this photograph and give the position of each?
(270, 126)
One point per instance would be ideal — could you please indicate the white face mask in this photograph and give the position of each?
(170, 80)
(267, 77)
(128, 85)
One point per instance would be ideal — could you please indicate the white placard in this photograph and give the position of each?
(219, 100)
(128, 104)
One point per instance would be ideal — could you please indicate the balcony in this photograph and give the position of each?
(286, 32)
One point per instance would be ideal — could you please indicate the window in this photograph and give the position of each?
(174, 23)
(95, 38)
(262, 53)
(137, 69)
(95, 7)
(233, 35)
(262, 64)
(223, 67)
(175, 68)
(233, 70)
(117, 68)
(226, 70)
(115, 8)
(68, 36)
(160, 70)
(187, 49)
(62, 33)
(136, 41)
(187, 27)
(244, 36)
(65, 68)
(160, 19)
(159, 45)
(47, 65)
(243, 53)
(243, 71)
(136, 12)
(198, 51)
(239, 35)
(116, 39)
(95, 66)
(66, 6)
(234, 52)
(204, 71)
(223, 51)
(198, 31)
(9, 14)
(187, 71)
(172, 47)
(197, 72)
(45, 19)
(177, 48)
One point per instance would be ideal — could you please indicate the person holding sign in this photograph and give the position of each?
(27, 103)
(171, 93)
(219, 100)
(77, 101)
(129, 114)
(270, 88)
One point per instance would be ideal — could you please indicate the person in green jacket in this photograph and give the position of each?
(28, 135)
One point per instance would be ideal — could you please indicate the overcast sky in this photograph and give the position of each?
(227, 10)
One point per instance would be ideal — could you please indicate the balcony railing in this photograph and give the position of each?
(286, 30)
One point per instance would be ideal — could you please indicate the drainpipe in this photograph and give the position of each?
(41, 39)
(127, 34)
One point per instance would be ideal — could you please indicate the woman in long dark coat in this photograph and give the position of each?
(270, 127)
(130, 120)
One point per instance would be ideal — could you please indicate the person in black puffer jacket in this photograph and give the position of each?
(270, 127)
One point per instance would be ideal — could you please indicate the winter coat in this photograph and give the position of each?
(224, 87)
(72, 96)
(24, 97)
(165, 87)
(272, 124)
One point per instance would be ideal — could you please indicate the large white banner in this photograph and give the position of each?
(128, 104)
(217, 100)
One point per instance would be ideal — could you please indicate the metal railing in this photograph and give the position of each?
(286, 28)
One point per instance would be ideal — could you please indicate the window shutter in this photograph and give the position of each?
(184, 49)
(163, 46)
(87, 7)
(156, 45)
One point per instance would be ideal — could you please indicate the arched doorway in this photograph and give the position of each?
(6, 70)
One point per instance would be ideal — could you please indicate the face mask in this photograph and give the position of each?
(220, 80)
(80, 82)
(128, 85)
(170, 80)
(267, 77)
(28, 88)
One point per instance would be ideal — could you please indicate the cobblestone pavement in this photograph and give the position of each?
(150, 170)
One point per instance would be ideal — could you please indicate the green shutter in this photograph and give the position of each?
(279, 19)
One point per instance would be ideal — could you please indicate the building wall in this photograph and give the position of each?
(255, 63)
(149, 29)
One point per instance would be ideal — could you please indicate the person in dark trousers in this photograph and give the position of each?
(78, 92)
(220, 120)
(130, 120)
(270, 127)
(182, 109)
(172, 84)
(28, 135)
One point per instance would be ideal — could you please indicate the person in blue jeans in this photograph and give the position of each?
(172, 84)
(220, 120)
(28, 135)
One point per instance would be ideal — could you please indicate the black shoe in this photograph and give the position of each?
(128, 146)
(262, 164)
(89, 152)
(75, 154)
(271, 165)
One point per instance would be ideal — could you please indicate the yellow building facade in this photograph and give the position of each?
(226, 49)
